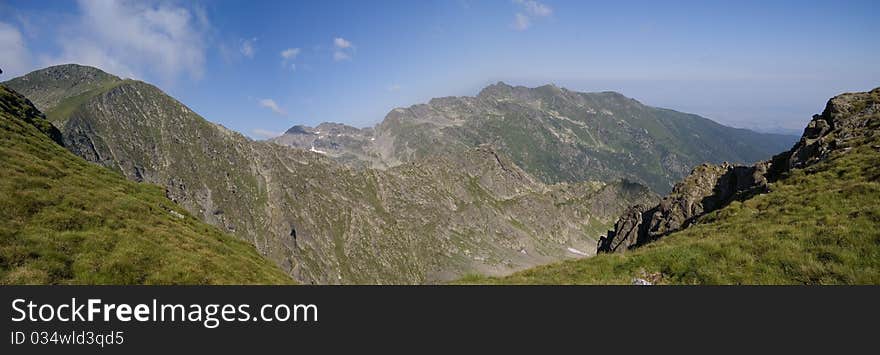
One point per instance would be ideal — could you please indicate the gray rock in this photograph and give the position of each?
(641, 282)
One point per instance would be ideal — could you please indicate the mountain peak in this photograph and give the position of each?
(550, 86)
(502, 89)
(75, 72)
(299, 129)
(47, 87)
(499, 88)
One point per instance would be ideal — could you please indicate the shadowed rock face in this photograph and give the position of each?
(711, 187)
(19, 106)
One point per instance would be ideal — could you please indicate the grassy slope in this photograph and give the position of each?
(65, 221)
(820, 225)
(60, 113)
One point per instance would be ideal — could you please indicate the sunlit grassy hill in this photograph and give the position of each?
(66, 221)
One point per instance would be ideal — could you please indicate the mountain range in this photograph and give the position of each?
(490, 185)
(554, 134)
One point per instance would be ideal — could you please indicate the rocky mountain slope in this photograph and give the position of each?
(428, 220)
(553, 133)
(66, 221)
(807, 216)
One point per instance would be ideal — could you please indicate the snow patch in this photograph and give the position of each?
(575, 251)
(312, 149)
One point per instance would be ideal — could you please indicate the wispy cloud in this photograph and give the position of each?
(133, 38)
(521, 22)
(289, 55)
(15, 56)
(272, 105)
(535, 8)
(393, 88)
(340, 56)
(529, 9)
(265, 133)
(247, 47)
(343, 49)
(341, 43)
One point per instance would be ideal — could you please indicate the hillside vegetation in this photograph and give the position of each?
(66, 221)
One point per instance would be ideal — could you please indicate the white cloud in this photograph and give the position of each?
(293, 66)
(344, 49)
(532, 9)
(265, 133)
(272, 105)
(247, 47)
(133, 38)
(521, 22)
(341, 43)
(15, 58)
(393, 88)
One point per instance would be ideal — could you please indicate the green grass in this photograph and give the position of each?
(820, 225)
(60, 113)
(65, 221)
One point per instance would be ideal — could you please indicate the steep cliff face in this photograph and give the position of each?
(846, 118)
(428, 220)
(554, 134)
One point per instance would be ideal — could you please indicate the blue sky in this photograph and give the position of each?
(260, 67)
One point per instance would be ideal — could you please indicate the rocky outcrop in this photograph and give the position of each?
(846, 118)
(19, 106)
(706, 189)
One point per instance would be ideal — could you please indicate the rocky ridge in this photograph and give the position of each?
(553, 133)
